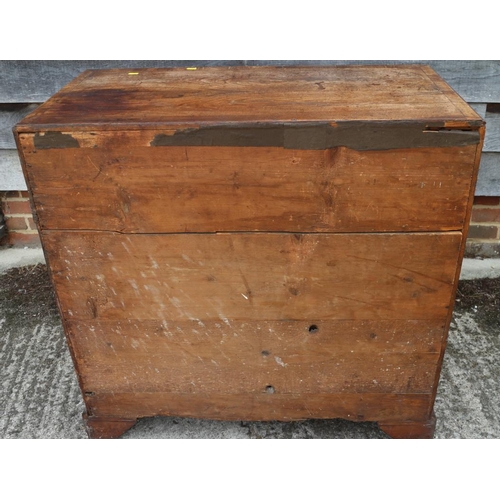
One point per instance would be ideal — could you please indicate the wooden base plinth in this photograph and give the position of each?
(106, 427)
(109, 428)
(410, 430)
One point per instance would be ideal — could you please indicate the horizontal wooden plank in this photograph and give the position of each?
(491, 114)
(11, 174)
(488, 182)
(119, 182)
(492, 139)
(252, 95)
(10, 114)
(357, 407)
(337, 356)
(253, 276)
(36, 81)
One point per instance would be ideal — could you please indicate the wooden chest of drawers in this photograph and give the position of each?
(255, 243)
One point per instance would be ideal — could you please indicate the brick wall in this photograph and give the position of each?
(21, 229)
(484, 231)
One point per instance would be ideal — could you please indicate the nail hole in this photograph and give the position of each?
(313, 328)
(269, 389)
(265, 353)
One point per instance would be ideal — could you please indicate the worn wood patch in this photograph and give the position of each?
(353, 135)
(242, 357)
(120, 183)
(54, 140)
(256, 276)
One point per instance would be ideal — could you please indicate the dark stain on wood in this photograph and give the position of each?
(97, 100)
(223, 136)
(92, 307)
(55, 140)
(318, 136)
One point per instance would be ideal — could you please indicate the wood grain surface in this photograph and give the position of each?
(261, 243)
(282, 357)
(106, 428)
(288, 326)
(356, 407)
(251, 94)
(259, 276)
(410, 430)
(120, 183)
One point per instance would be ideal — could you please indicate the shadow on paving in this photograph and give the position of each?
(40, 397)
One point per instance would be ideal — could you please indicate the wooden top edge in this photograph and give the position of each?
(118, 98)
(433, 123)
(458, 101)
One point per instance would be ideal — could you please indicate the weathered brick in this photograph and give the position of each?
(31, 223)
(486, 214)
(482, 232)
(19, 239)
(24, 194)
(16, 223)
(492, 201)
(12, 194)
(16, 207)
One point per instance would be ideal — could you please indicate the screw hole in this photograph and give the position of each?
(313, 329)
(265, 353)
(269, 389)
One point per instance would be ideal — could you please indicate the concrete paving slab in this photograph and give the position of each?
(473, 269)
(19, 257)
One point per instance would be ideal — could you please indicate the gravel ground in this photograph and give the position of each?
(40, 396)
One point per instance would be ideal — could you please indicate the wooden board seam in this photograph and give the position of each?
(103, 231)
